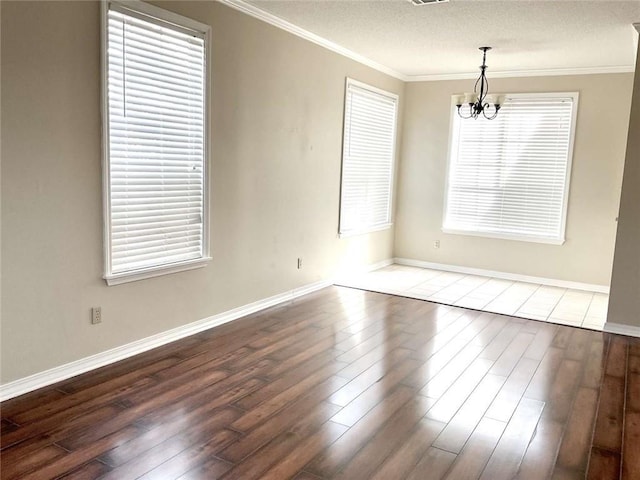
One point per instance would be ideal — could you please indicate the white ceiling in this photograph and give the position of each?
(430, 41)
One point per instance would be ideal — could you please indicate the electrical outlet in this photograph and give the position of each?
(436, 244)
(96, 315)
(299, 263)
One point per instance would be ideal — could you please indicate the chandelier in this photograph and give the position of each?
(472, 105)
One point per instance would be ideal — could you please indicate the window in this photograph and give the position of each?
(509, 177)
(155, 162)
(367, 158)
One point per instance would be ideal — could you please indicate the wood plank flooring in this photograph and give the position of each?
(344, 384)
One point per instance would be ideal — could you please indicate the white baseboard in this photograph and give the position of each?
(57, 374)
(590, 287)
(380, 264)
(621, 329)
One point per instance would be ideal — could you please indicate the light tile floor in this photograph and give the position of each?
(528, 300)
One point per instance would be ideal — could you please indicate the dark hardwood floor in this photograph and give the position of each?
(344, 384)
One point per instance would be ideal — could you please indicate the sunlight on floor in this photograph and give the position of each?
(527, 300)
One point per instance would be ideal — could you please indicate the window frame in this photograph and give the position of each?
(453, 137)
(396, 98)
(165, 18)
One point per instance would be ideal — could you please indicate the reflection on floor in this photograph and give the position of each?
(527, 300)
(344, 384)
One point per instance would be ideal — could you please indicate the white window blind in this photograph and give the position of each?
(509, 177)
(156, 76)
(367, 160)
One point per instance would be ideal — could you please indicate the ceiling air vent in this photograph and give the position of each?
(426, 2)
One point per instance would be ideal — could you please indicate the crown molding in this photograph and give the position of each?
(551, 72)
(312, 37)
(278, 22)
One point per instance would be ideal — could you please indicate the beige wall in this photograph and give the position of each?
(624, 301)
(596, 177)
(277, 130)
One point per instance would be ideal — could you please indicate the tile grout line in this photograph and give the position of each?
(587, 310)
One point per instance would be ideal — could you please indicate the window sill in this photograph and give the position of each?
(354, 233)
(519, 238)
(134, 276)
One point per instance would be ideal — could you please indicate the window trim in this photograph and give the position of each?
(561, 239)
(160, 16)
(376, 228)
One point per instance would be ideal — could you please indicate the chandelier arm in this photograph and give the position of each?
(463, 116)
(484, 113)
(475, 86)
(486, 86)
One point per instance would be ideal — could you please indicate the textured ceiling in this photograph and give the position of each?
(442, 38)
